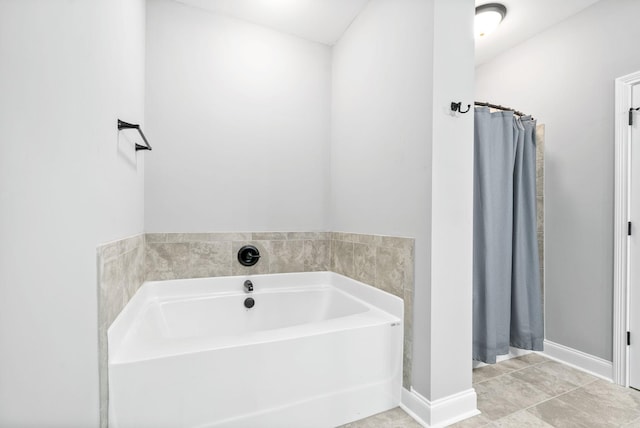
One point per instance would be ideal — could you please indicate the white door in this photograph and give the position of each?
(633, 253)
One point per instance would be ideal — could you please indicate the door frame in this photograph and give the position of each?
(623, 90)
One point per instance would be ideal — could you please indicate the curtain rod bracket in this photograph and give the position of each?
(458, 107)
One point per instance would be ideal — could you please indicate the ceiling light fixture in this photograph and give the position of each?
(488, 17)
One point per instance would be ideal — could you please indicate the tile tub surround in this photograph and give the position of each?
(540, 200)
(385, 262)
(201, 255)
(120, 274)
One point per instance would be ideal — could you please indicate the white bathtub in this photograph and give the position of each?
(316, 350)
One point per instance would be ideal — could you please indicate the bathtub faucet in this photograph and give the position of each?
(248, 286)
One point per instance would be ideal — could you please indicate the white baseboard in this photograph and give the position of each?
(442, 412)
(580, 360)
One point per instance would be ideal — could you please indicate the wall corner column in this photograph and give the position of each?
(450, 395)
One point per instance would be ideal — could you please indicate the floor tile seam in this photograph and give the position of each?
(526, 367)
(553, 398)
(492, 423)
(525, 408)
(528, 410)
(490, 378)
(589, 383)
(507, 373)
(573, 383)
(577, 387)
(530, 385)
(560, 395)
(512, 359)
(557, 397)
(517, 406)
(544, 360)
(596, 398)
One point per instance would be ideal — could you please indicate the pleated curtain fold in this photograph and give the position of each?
(507, 299)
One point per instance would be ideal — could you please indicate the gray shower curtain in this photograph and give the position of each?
(507, 300)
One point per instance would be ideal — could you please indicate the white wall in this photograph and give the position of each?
(394, 73)
(381, 138)
(57, 115)
(381, 122)
(120, 168)
(240, 117)
(224, 98)
(564, 77)
(452, 202)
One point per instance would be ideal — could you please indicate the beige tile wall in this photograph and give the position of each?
(540, 198)
(200, 255)
(385, 262)
(120, 274)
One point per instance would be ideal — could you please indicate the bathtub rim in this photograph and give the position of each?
(168, 289)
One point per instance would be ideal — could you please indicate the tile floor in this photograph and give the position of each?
(532, 391)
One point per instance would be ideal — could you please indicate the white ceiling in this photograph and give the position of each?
(325, 21)
(321, 21)
(524, 19)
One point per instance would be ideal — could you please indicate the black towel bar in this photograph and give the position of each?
(124, 125)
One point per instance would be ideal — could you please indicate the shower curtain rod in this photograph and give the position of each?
(499, 107)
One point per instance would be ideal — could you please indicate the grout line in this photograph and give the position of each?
(512, 371)
(545, 400)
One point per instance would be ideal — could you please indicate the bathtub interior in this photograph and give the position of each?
(181, 316)
(311, 344)
(274, 309)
